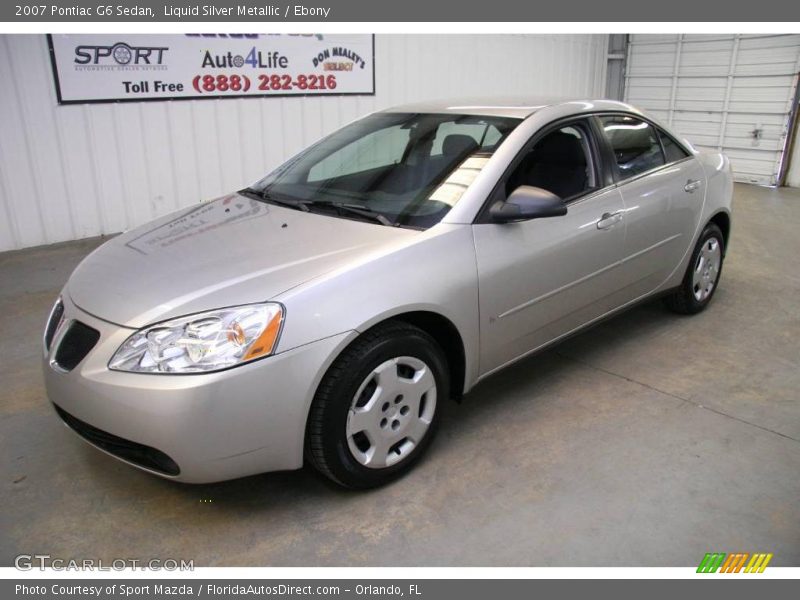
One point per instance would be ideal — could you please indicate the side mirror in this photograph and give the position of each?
(528, 202)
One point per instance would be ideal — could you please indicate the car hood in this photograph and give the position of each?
(230, 251)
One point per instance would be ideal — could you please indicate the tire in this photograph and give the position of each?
(377, 408)
(702, 274)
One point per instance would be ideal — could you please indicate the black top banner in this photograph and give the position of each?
(264, 11)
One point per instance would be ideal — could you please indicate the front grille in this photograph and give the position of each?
(52, 323)
(138, 454)
(75, 345)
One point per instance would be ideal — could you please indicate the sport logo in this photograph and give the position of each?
(120, 55)
(714, 562)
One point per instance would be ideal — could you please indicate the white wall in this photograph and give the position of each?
(68, 172)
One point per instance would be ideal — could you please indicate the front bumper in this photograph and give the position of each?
(213, 426)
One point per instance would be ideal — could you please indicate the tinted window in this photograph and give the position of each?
(635, 144)
(560, 162)
(672, 150)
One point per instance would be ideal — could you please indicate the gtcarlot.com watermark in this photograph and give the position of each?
(29, 562)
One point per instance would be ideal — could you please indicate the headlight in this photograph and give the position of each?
(202, 342)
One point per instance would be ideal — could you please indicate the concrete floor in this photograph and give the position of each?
(648, 440)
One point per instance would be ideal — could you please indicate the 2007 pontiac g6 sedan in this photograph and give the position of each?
(325, 313)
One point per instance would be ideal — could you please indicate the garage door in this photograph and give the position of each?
(734, 93)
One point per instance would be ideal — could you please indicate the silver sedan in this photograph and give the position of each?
(326, 312)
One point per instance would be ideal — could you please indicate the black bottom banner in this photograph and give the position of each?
(423, 589)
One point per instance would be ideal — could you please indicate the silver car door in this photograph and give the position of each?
(663, 189)
(542, 278)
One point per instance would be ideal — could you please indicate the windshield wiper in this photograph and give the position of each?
(355, 209)
(306, 205)
(265, 196)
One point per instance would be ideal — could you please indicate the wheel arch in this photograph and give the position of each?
(441, 329)
(722, 220)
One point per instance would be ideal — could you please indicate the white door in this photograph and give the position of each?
(731, 93)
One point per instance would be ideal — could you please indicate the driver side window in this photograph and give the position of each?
(560, 162)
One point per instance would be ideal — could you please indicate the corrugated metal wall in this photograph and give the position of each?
(728, 92)
(68, 172)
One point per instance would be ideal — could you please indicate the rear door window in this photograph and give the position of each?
(635, 143)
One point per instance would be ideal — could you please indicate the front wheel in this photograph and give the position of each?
(702, 275)
(375, 411)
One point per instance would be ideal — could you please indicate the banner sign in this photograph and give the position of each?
(114, 68)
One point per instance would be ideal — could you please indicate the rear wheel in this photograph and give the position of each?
(702, 274)
(376, 409)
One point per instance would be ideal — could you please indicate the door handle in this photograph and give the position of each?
(692, 185)
(608, 220)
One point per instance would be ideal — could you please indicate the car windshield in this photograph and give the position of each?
(398, 169)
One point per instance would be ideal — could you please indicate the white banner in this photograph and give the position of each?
(111, 68)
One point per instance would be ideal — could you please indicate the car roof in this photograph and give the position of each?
(519, 107)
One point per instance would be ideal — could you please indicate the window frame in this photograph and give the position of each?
(585, 123)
